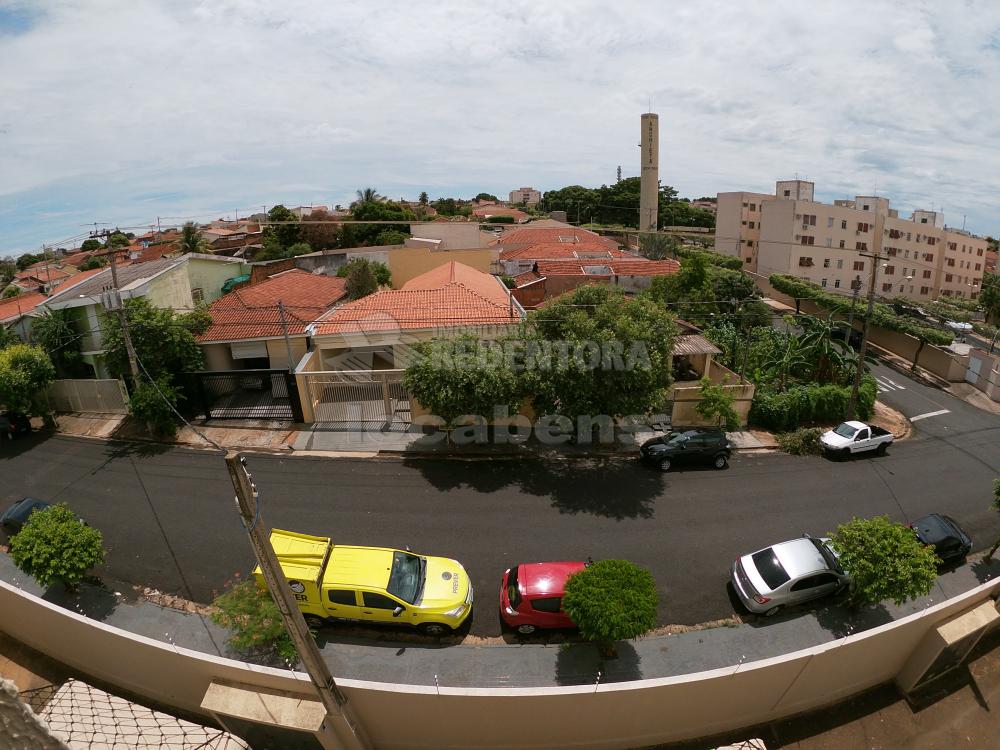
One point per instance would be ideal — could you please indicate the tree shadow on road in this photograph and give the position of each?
(841, 620)
(580, 663)
(608, 487)
(985, 570)
(95, 601)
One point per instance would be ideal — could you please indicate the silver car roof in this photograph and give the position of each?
(799, 557)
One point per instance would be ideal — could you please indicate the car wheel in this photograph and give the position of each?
(434, 629)
(315, 622)
(772, 611)
(664, 464)
(526, 629)
(880, 451)
(721, 461)
(845, 454)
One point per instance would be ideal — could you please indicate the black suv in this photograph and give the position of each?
(943, 532)
(695, 445)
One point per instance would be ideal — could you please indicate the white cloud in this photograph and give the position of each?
(121, 110)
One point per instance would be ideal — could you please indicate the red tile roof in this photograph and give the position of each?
(77, 259)
(562, 250)
(526, 278)
(636, 267)
(252, 312)
(533, 235)
(15, 307)
(453, 295)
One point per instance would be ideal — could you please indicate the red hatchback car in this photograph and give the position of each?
(531, 595)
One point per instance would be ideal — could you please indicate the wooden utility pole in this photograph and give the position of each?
(284, 330)
(334, 701)
(114, 303)
(876, 257)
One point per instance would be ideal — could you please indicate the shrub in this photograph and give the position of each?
(55, 545)
(254, 622)
(499, 220)
(611, 600)
(802, 442)
(148, 406)
(717, 404)
(801, 404)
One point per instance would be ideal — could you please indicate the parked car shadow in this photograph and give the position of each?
(582, 664)
(840, 620)
(22, 443)
(400, 637)
(593, 485)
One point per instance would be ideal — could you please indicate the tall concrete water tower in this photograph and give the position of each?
(649, 195)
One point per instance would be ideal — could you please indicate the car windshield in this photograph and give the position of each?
(676, 438)
(828, 556)
(406, 579)
(845, 430)
(770, 568)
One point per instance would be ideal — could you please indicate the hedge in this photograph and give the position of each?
(731, 262)
(882, 316)
(786, 410)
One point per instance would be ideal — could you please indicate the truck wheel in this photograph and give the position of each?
(880, 451)
(434, 629)
(315, 622)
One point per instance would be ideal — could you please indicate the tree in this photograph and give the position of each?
(7, 337)
(422, 200)
(885, 560)
(382, 275)
(191, 240)
(25, 371)
(455, 377)
(830, 357)
(989, 296)
(150, 404)
(91, 263)
(368, 195)
(361, 280)
(996, 507)
(7, 270)
(90, 245)
(320, 235)
(378, 209)
(299, 248)
(164, 341)
(255, 625)
(486, 197)
(286, 233)
(716, 404)
(118, 239)
(54, 331)
(28, 259)
(55, 545)
(11, 292)
(391, 237)
(611, 600)
(658, 246)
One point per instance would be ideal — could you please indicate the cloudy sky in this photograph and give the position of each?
(124, 110)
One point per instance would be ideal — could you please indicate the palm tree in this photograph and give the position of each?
(829, 356)
(368, 195)
(191, 240)
(423, 199)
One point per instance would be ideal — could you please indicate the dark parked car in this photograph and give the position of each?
(14, 518)
(943, 532)
(13, 423)
(692, 446)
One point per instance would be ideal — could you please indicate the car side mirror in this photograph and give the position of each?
(398, 611)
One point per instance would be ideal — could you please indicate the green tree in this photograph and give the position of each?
(28, 259)
(378, 209)
(456, 377)
(88, 246)
(150, 404)
(164, 341)
(56, 546)
(191, 240)
(996, 507)
(989, 296)
(716, 404)
(611, 600)
(361, 280)
(256, 628)
(598, 352)
(54, 331)
(391, 237)
(831, 357)
(299, 248)
(11, 292)
(118, 239)
(7, 337)
(485, 197)
(367, 195)
(885, 560)
(287, 232)
(422, 200)
(446, 206)
(658, 246)
(381, 271)
(576, 200)
(7, 270)
(25, 371)
(91, 263)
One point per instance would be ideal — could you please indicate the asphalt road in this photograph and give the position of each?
(169, 518)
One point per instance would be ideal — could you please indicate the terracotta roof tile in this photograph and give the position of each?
(451, 296)
(533, 235)
(252, 312)
(562, 251)
(636, 267)
(14, 307)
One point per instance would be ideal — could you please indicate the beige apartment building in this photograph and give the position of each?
(526, 195)
(790, 233)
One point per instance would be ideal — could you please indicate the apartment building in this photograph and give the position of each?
(526, 195)
(791, 233)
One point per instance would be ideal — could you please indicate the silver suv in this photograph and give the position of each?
(788, 573)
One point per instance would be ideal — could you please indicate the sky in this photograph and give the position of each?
(122, 111)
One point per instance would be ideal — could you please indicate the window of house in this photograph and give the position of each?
(788, 193)
(906, 253)
(829, 222)
(907, 236)
(747, 259)
(822, 282)
(918, 237)
(842, 245)
(859, 265)
(929, 257)
(927, 274)
(979, 266)
(829, 241)
(198, 294)
(865, 207)
(749, 243)
(836, 283)
(751, 225)
(843, 224)
(840, 263)
(886, 287)
(932, 240)
(953, 246)
(950, 261)
(745, 205)
(744, 223)
(826, 262)
(947, 277)
(807, 240)
(753, 206)
(890, 270)
(906, 271)
(979, 251)
(809, 220)
(891, 251)
(901, 289)
(923, 221)
(946, 292)
(925, 290)
(862, 226)
(860, 245)
(805, 262)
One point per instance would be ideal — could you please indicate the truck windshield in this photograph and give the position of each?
(406, 577)
(845, 430)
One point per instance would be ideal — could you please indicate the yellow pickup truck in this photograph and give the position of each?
(372, 584)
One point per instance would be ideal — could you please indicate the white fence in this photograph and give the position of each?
(92, 396)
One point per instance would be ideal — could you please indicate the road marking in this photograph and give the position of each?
(885, 384)
(930, 414)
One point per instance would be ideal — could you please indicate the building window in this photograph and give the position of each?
(749, 243)
(950, 261)
(859, 265)
(925, 290)
(865, 207)
(890, 270)
(806, 240)
(901, 289)
(829, 222)
(927, 274)
(948, 277)
(744, 223)
(932, 240)
(840, 263)
(979, 251)
(822, 283)
(929, 257)
(923, 221)
(886, 287)
(788, 193)
(843, 224)
(863, 226)
(745, 205)
(751, 225)
(842, 244)
(753, 206)
(836, 283)
(979, 266)
(808, 220)
(826, 262)
(860, 245)
(747, 259)
(829, 241)
(805, 262)
(907, 236)
(953, 246)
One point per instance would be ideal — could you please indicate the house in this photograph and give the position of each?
(44, 276)
(247, 330)
(377, 331)
(550, 278)
(693, 359)
(515, 260)
(16, 313)
(175, 283)
(490, 210)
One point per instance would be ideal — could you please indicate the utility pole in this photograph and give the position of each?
(855, 289)
(284, 330)
(334, 701)
(114, 303)
(876, 257)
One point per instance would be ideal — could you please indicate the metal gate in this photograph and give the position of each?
(244, 394)
(360, 396)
